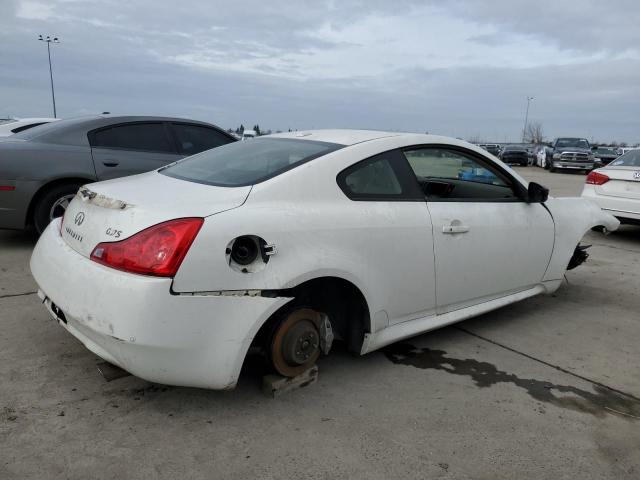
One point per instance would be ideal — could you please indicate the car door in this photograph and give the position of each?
(488, 241)
(131, 148)
(194, 138)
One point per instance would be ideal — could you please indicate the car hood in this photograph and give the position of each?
(116, 209)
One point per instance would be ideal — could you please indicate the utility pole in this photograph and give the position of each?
(526, 117)
(50, 40)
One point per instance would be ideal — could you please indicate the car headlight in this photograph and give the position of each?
(556, 156)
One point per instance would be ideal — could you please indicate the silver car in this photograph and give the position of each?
(42, 168)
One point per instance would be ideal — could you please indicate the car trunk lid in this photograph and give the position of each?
(117, 209)
(623, 182)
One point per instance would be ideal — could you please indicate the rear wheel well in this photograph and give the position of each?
(46, 187)
(339, 299)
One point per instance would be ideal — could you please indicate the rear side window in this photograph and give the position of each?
(194, 139)
(150, 137)
(383, 177)
(374, 177)
(246, 163)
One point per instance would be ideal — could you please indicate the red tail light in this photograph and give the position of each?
(157, 250)
(596, 178)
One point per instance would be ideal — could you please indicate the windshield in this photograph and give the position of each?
(606, 151)
(629, 159)
(246, 163)
(572, 143)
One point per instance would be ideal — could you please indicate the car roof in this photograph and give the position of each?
(73, 130)
(339, 136)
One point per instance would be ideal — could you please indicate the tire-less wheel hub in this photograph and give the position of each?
(300, 343)
(295, 346)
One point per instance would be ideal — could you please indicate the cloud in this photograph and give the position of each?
(460, 68)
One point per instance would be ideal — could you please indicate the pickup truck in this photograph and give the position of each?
(570, 153)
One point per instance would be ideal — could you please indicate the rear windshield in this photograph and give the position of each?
(629, 159)
(246, 163)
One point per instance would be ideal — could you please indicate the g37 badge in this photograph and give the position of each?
(112, 232)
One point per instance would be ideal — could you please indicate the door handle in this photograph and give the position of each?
(453, 228)
(111, 164)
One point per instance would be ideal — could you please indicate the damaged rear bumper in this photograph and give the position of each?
(136, 323)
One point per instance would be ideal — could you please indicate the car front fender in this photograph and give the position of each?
(573, 217)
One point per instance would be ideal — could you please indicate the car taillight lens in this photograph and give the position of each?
(157, 250)
(597, 178)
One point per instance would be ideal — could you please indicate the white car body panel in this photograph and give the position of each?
(620, 196)
(196, 328)
(132, 321)
(464, 261)
(122, 208)
(573, 217)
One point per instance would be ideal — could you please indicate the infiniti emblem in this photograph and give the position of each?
(79, 218)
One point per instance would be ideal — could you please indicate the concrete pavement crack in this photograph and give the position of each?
(10, 295)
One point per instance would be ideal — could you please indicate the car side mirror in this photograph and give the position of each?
(536, 193)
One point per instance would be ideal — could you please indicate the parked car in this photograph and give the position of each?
(288, 241)
(623, 150)
(515, 155)
(20, 125)
(616, 187)
(603, 155)
(570, 153)
(42, 168)
(492, 148)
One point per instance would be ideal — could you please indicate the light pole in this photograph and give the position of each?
(526, 117)
(50, 40)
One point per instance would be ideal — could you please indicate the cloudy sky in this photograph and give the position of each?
(462, 68)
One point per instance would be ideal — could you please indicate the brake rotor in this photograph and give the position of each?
(295, 346)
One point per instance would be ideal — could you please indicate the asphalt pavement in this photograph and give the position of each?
(545, 388)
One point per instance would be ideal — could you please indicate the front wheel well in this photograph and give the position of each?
(46, 187)
(339, 299)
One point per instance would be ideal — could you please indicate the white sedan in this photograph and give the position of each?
(290, 240)
(616, 187)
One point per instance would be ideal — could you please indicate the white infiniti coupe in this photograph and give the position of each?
(290, 240)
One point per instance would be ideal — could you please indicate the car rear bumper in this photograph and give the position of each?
(136, 323)
(516, 160)
(620, 207)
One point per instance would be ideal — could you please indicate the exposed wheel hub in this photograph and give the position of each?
(300, 343)
(295, 346)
